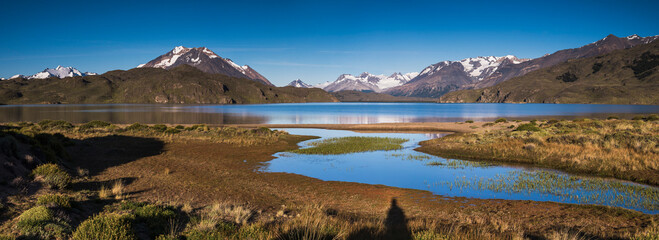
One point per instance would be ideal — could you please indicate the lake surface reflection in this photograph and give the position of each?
(308, 113)
(407, 168)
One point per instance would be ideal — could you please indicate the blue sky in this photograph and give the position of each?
(315, 41)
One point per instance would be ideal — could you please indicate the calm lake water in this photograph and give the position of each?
(407, 168)
(308, 113)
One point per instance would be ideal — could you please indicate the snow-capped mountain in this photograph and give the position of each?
(477, 68)
(205, 60)
(299, 84)
(58, 72)
(442, 77)
(367, 82)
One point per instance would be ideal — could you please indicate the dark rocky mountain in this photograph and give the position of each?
(181, 84)
(624, 76)
(205, 60)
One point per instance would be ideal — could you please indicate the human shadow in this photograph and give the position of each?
(395, 226)
(396, 223)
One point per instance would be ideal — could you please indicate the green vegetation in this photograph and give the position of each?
(52, 175)
(622, 149)
(621, 77)
(531, 127)
(182, 84)
(352, 145)
(501, 120)
(54, 200)
(111, 226)
(41, 222)
(458, 164)
(469, 121)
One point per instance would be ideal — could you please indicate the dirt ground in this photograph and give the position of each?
(200, 173)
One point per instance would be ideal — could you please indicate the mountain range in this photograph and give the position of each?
(443, 77)
(437, 80)
(205, 60)
(180, 84)
(623, 76)
(58, 72)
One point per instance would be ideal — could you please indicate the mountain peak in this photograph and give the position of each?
(205, 60)
(299, 84)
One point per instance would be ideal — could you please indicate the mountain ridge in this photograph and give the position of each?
(623, 76)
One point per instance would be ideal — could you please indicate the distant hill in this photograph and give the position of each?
(181, 84)
(627, 76)
(205, 60)
(358, 96)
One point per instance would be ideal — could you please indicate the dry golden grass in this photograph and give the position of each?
(617, 148)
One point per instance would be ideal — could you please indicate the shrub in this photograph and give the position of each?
(637, 118)
(156, 218)
(40, 221)
(528, 127)
(52, 174)
(137, 127)
(488, 124)
(56, 200)
(172, 131)
(501, 120)
(179, 127)
(55, 125)
(94, 124)
(469, 121)
(612, 118)
(652, 117)
(159, 127)
(107, 226)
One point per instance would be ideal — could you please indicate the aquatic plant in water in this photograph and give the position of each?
(569, 188)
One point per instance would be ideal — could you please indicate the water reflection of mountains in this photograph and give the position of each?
(123, 114)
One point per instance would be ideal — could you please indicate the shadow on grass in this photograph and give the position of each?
(100, 153)
(395, 226)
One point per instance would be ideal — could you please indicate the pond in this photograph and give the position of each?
(407, 168)
(310, 113)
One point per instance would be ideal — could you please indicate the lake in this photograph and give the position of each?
(310, 113)
(407, 168)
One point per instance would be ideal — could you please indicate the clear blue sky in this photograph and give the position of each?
(315, 41)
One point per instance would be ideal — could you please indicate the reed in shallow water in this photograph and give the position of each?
(345, 145)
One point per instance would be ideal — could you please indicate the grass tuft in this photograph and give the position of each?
(53, 175)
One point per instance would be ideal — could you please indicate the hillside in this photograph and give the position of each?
(358, 96)
(628, 76)
(182, 84)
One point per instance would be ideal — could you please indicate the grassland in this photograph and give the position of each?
(199, 182)
(624, 149)
(345, 145)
